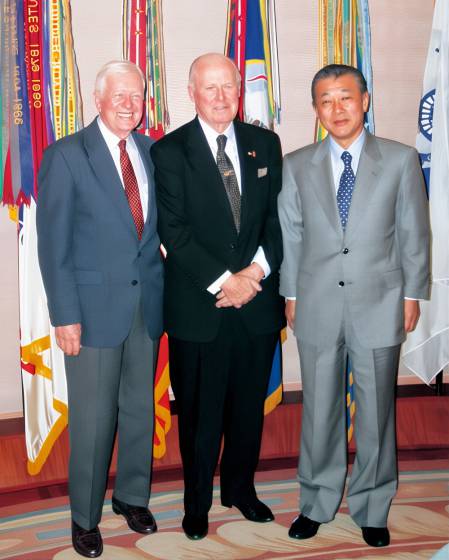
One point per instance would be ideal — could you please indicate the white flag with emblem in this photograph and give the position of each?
(426, 351)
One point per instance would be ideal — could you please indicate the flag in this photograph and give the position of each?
(426, 350)
(251, 41)
(40, 102)
(42, 362)
(143, 45)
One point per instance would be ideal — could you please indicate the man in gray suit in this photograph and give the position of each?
(354, 219)
(102, 271)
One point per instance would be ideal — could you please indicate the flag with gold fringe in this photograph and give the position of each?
(143, 45)
(251, 41)
(345, 38)
(40, 103)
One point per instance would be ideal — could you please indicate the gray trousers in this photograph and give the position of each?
(109, 389)
(323, 453)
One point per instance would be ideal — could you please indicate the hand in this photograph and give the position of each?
(411, 314)
(254, 271)
(238, 290)
(290, 310)
(68, 338)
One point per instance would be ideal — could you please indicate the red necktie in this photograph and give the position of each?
(131, 188)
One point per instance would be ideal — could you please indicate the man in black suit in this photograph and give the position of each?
(217, 183)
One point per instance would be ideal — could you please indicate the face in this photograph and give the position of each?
(120, 104)
(215, 91)
(341, 107)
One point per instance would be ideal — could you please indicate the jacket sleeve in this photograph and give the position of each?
(413, 230)
(290, 215)
(54, 222)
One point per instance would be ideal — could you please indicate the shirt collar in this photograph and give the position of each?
(355, 149)
(110, 138)
(211, 134)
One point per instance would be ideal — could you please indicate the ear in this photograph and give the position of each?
(365, 101)
(191, 93)
(97, 101)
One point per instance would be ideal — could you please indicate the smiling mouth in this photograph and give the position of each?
(125, 115)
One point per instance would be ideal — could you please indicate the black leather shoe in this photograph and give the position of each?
(376, 536)
(253, 510)
(303, 528)
(88, 543)
(195, 526)
(139, 519)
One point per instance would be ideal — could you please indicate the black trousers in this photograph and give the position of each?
(220, 388)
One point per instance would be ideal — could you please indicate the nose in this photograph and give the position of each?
(220, 93)
(127, 101)
(338, 106)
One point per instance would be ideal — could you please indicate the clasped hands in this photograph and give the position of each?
(241, 287)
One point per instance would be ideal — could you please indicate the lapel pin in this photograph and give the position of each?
(252, 154)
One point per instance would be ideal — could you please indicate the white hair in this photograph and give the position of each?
(116, 67)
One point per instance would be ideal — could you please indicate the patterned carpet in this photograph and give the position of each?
(419, 525)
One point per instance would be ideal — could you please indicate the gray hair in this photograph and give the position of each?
(218, 56)
(116, 67)
(335, 71)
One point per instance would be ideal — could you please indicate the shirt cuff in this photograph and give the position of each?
(260, 259)
(215, 287)
(412, 298)
(290, 298)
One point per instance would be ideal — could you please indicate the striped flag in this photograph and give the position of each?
(251, 41)
(143, 45)
(426, 350)
(40, 102)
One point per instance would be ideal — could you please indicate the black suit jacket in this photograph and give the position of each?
(196, 227)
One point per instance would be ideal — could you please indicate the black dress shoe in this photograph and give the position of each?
(303, 528)
(195, 526)
(88, 543)
(253, 510)
(376, 536)
(139, 519)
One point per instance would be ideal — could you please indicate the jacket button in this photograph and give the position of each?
(134, 282)
(345, 251)
(232, 246)
(139, 254)
(341, 283)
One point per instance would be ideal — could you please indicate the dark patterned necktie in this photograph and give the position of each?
(131, 188)
(344, 193)
(229, 179)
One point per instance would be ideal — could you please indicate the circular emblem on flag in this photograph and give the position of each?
(425, 118)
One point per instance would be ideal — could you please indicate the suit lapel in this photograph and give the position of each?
(368, 172)
(248, 172)
(321, 178)
(149, 170)
(104, 168)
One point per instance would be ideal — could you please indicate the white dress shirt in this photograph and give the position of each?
(233, 154)
(139, 170)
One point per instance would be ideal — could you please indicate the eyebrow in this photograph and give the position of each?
(344, 90)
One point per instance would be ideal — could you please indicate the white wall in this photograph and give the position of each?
(400, 34)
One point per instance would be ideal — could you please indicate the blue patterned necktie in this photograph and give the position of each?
(344, 193)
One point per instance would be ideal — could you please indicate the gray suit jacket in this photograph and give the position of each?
(93, 265)
(382, 257)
